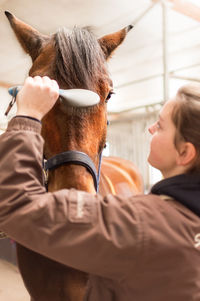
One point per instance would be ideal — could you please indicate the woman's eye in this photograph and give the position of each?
(109, 95)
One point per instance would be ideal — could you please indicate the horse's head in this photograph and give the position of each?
(75, 59)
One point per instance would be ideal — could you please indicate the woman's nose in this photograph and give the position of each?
(152, 128)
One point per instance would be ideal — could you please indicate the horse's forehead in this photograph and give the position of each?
(61, 67)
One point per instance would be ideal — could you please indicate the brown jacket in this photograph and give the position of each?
(143, 248)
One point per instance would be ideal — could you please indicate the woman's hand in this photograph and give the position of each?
(37, 96)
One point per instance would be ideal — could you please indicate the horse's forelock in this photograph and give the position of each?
(80, 62)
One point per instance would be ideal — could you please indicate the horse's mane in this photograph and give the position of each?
(80, 62)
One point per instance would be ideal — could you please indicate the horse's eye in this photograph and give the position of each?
(109, 95)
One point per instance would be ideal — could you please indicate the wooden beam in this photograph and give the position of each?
(5, 84)
(185, 7)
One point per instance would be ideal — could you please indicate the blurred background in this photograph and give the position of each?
(159, 55)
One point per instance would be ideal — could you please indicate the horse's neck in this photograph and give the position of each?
(71, 176)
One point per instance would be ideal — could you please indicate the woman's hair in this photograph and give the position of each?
(186, 117)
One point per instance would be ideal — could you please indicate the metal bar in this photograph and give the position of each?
(186, 78)
(165, 50)
(118, 117)
(186, 8)
(136, 81)
(171, 73)
(185, 68)
(143, 13)
(160, 102)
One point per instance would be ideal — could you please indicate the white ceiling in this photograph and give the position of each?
(137, 65)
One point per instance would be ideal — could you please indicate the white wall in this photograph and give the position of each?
(130, 140)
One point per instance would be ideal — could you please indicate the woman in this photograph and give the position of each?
(146, 247)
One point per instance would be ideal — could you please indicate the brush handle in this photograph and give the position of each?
(14, 90)
(72, 97)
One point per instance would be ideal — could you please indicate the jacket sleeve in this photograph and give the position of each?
(97, 235)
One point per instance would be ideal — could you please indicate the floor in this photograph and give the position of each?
(11, 284)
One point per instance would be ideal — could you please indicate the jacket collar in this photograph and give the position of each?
(184, 188)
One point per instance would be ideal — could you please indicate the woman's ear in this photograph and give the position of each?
(186, 153)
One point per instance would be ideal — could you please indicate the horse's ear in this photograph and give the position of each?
(110, 42)
(30, 39)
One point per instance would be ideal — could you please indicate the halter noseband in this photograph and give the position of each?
(77, 158)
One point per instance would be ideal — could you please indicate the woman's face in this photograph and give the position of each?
(163, 153)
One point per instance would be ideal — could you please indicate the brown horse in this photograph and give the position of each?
(76, 59)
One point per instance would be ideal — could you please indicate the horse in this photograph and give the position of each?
(75, 59)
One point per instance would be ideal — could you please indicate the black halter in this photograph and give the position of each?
(77, 158)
